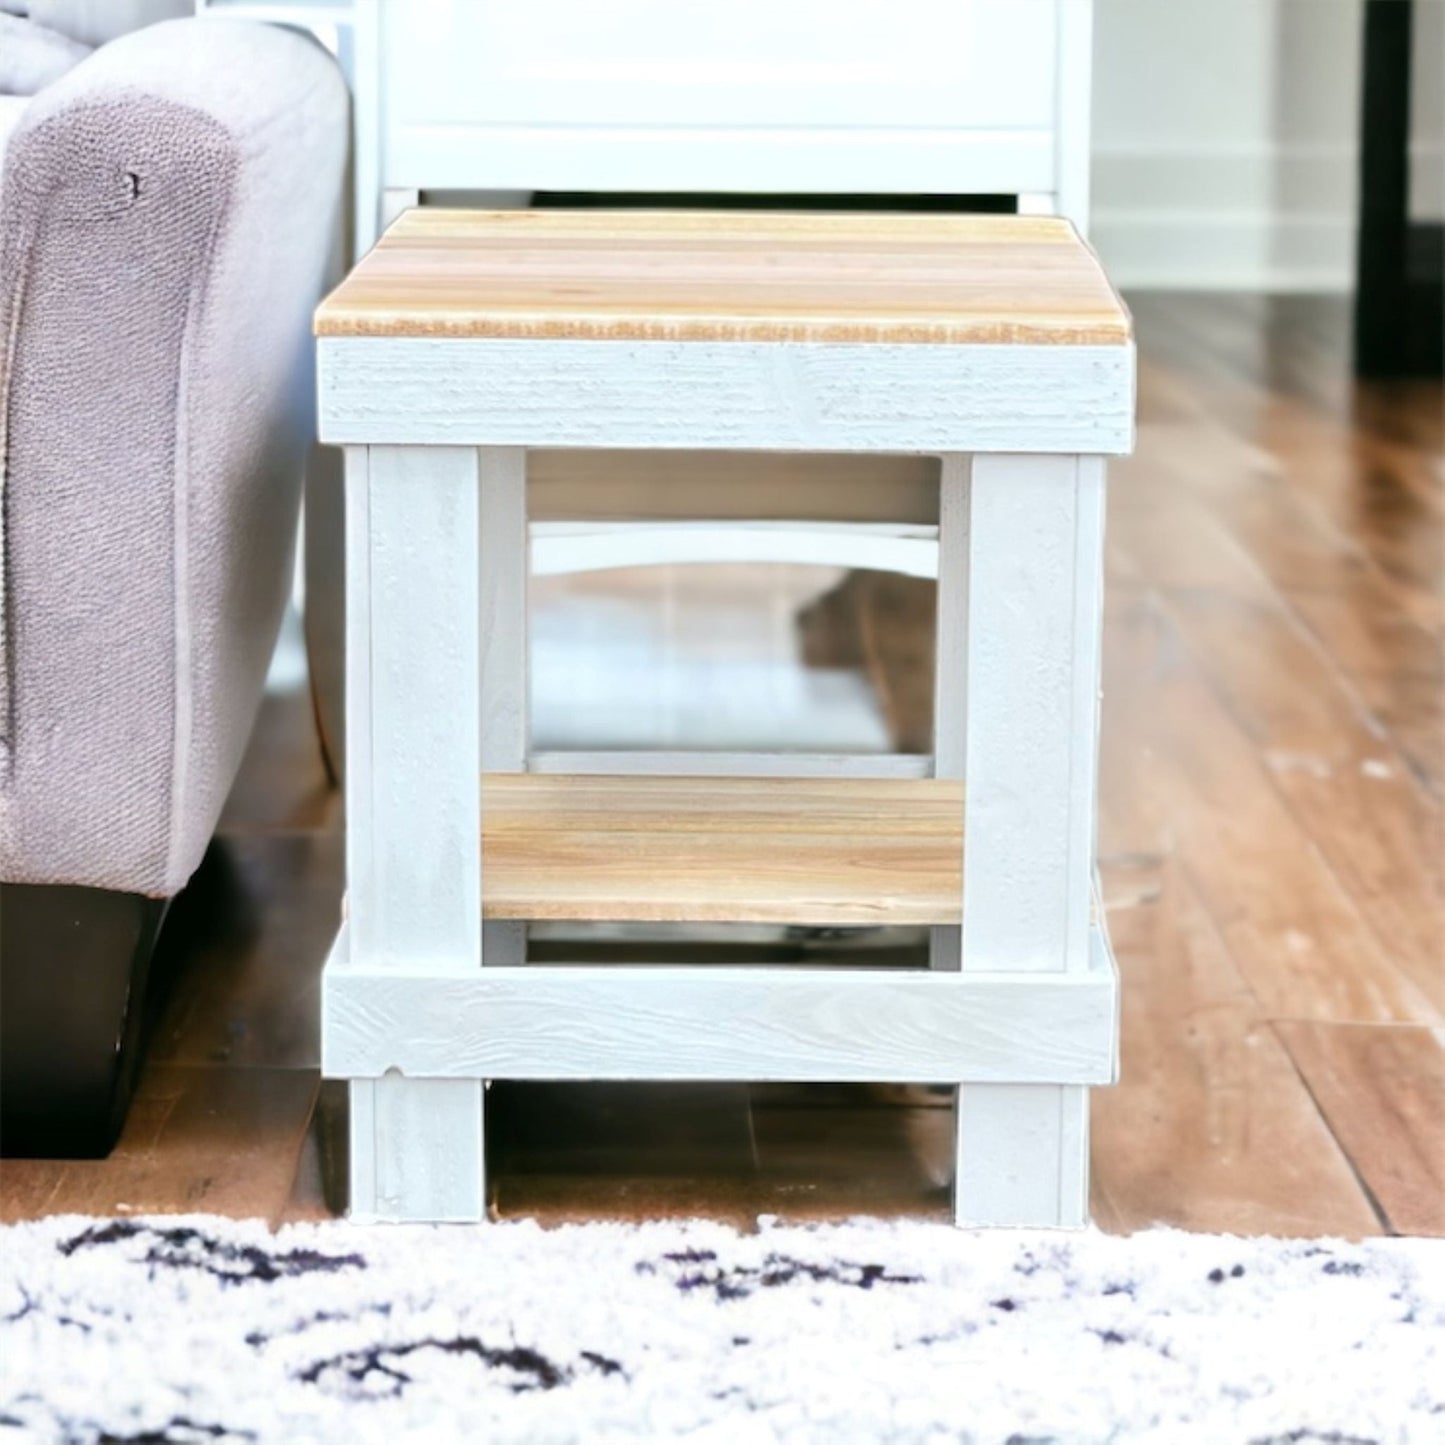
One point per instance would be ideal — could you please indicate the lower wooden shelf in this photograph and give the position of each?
(816, 851)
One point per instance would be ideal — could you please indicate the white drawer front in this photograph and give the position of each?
(749, 63)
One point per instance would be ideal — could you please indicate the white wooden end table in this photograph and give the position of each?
(467, 338)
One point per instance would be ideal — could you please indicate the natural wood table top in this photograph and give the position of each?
(729, 276)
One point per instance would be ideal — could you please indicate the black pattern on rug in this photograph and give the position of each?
(205, 1330)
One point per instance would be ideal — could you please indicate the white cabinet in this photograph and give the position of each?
(884, 97)
(821, 96)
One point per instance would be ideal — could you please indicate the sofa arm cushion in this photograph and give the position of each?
(166, 219)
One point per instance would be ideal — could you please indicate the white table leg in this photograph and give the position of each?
(1034, 595)
(395, 200)
(413, 801)
(950, 672)
(1038, 203)
(502, 475)
(1023, 1155)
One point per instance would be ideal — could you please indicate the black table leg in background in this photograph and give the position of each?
(1399, 322)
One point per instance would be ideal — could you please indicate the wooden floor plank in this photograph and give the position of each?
(1209, 1127)
(1192, 784)
(1367, 634)
(1410, 708)
(1382, 1091)
(212, 1140)
(1329, 512)
(568, 1153)
(1371, 490)
(239, 966)
(1178, 543)
(1349, 788)
(1300, 550)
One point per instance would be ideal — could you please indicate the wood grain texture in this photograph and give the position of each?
(1209, 1126)
(417, 1151)
(652, 485)
(576, 1152)
(1029, 709)
(196, 1140)
(415, 595)
(1182, 778)
(243, 991)
(1035, 582)
(731, 395)
(709, 1021)
(1348, 785)
(729, 276)
(947, 727)
(1410, 709)
(822, 851)
(415, 607)
(1382, 1092)
(504, 557)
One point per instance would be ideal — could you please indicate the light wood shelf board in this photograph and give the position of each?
(816, 851)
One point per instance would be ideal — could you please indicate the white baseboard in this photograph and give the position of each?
(1200, 251)
(1242, 218)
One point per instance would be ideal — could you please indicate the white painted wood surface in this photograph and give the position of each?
(502, 629)
(981, 96)
(414, 835)
(364, 49)
(1073, 110)
(1019, 1006)
(649, 64)
(736, 395)
(359, 833)
(753, 97)
(1023, 1156)
(1034, 593)
(420, 896)
(648, 763)
(395, 200)
(360, 830)
(718, 1022)
(564, 548)
(1034, 610)
(502, 493)
(1038, 203)
(950, 667)
(416, 1150)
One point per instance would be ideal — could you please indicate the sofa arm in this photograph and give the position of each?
(166, 219)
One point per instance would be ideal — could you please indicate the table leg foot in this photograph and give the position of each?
(417, 1150)
(1022, 1156)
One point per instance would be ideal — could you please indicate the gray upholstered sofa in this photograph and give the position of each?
(168, 204)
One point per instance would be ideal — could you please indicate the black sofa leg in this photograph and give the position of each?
(73, 968)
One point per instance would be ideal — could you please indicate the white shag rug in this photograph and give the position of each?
(200, 1329)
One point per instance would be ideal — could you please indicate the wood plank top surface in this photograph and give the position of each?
(820, 851)
(729, 276)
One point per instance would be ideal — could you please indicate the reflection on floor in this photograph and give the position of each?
(703, 656)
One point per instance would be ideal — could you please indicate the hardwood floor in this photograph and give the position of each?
(1273, 765)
